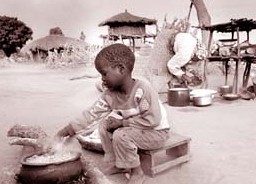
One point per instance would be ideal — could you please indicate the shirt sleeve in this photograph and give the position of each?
(150, 113)
(96, 112)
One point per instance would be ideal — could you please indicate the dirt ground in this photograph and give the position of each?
(223, 137)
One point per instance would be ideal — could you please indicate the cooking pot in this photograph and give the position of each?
(225, 89)
(178, 97)
(51, 173)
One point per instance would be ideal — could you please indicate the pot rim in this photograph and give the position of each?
(76, 156)
(202, 92)
(225, 87)
(178, 89)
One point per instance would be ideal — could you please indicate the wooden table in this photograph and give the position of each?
(249, 59)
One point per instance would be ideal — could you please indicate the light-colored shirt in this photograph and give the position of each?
(184, 48)
(141, 108)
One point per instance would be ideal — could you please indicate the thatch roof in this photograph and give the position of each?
(243, 25)
(53, 41)
(126, 18)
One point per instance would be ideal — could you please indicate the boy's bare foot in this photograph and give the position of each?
(137, 176)
(137, 179)
(114, 170)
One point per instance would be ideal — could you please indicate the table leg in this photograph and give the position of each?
(235, 82)
(246, 74)
(226, 72)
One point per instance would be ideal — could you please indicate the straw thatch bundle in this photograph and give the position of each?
(161, 53)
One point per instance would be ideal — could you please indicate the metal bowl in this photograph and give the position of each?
(202, 92)
(231, 96)
(202, 97)
(201, 101)
(228, 42)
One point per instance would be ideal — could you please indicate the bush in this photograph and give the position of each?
(13, 34)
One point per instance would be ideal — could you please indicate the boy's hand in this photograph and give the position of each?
(113, 124)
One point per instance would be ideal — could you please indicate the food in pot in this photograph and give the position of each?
(50, 158)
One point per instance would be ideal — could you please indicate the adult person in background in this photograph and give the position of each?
(185, 66)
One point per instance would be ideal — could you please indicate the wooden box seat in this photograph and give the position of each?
(174, 152)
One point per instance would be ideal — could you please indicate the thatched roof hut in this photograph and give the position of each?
(127, 26)
(53, 42)
(127, 18)
(38, 49)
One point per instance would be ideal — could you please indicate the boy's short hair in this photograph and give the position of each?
(114, 55)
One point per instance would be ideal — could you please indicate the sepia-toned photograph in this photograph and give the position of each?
(127, 92)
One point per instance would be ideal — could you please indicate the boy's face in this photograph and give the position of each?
(112, 77)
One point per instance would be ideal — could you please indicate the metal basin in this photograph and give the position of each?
(202, 97)
(202, 100)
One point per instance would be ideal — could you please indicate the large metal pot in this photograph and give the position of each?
(50, 173)
(178, 97)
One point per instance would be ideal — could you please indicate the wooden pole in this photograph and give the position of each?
(206, 60)
(235, 82)
(133, 44)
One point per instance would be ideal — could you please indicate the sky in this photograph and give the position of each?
(74, 16)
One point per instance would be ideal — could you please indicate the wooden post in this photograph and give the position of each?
(206, 60)
(235, 82)
(133, 44)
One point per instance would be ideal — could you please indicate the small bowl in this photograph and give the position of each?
(231, 96)
(228, 42)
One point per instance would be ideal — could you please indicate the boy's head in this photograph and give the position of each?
(115, 55)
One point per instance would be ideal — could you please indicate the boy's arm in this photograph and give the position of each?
(97, 111)
(150, 112)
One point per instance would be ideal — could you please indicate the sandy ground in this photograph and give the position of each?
(223, 135)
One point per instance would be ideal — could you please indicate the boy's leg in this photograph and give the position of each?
(127, 141)
(106, 140)
(109, 156)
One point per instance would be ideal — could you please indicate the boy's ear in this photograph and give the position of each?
(122, 68)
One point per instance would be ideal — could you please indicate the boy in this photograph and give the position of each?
(130, 114)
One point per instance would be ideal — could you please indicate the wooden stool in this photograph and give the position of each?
(173, 153)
